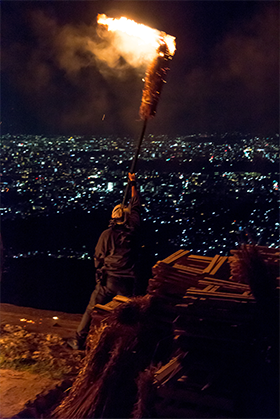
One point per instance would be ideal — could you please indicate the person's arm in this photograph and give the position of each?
(100, 252)
(135, 206)
(132, 180)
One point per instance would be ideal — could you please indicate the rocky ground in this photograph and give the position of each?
(36, 338)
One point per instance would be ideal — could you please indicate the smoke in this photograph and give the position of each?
(236, 88)
(71, 75)
(73, 47)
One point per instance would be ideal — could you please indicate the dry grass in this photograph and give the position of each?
(41, 353)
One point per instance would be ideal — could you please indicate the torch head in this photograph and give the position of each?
(154, 80)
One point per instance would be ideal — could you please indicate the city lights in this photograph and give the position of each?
(193, 205)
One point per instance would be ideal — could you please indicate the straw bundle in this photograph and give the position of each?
(146, 395)
(155, 77)
(248, 265)
(106, 387)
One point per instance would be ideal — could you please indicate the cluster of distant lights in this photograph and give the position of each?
(182, 142)
(30, 321)
(67, 254)
(110, 189)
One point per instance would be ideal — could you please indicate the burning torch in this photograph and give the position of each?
(164, 48)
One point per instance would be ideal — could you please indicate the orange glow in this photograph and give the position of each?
(27, 321)
(146, 38)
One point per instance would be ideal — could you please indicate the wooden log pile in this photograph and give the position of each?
(211, 308)
(200, 294)
(215, 324)
(183, 274)
(206, 297)
(193, 391)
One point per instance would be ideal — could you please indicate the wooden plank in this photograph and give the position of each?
(211, 264)
(191, 261)
(214, 288)
(225, 282)
(122, 299)
(173, 269)
(219, 294)
(187, 268)
(185, 278)
(206, 289)
(203, 258)
(168, 370)
(111, 306)
(175, 256)
(220, 262)
(177, 275)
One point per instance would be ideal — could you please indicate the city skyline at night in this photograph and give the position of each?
(179, 180)
(203, 193)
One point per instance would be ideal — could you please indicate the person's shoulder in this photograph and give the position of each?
(105, 233)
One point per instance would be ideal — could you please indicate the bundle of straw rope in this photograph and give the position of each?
(154, 80)
(107, 385)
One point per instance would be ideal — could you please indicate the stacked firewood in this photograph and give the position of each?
(199, 293)
(217, 304)
(205, 300)
(203, 311)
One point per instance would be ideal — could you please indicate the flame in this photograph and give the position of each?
(148, 38)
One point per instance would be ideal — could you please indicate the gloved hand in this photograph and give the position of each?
(131, 177)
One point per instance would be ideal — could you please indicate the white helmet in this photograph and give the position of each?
(120, 213)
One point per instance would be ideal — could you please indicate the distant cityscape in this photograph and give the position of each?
(205, 193)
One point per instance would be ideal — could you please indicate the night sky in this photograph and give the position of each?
(56, 78)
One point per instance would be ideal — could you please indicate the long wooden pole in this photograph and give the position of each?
(134, 161)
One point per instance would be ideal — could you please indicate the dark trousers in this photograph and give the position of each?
(102, 294)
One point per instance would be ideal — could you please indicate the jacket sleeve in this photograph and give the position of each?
(100, 251)
(135, 210)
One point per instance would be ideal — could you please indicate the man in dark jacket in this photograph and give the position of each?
(115, 259)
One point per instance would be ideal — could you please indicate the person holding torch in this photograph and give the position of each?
(115, 260)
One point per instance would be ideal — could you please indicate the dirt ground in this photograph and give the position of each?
(19, 387)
